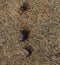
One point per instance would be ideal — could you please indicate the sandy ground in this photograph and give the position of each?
(42, 19)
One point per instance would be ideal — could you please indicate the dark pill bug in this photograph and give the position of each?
(24, 35)
(28, 50)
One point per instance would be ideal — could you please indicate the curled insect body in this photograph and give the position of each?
(28, 51)
(24, 35)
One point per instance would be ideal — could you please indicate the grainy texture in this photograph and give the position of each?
(42, 19)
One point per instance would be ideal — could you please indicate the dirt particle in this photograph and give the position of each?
(57, 55)
(24, 7)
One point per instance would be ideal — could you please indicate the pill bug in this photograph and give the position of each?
(24, 34)
(28, 50)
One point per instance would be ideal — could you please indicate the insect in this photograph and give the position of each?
(24, 34)
(28, 51)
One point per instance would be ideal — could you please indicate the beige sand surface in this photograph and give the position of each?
(42, 18)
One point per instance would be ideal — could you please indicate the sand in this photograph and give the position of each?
(42, 19)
